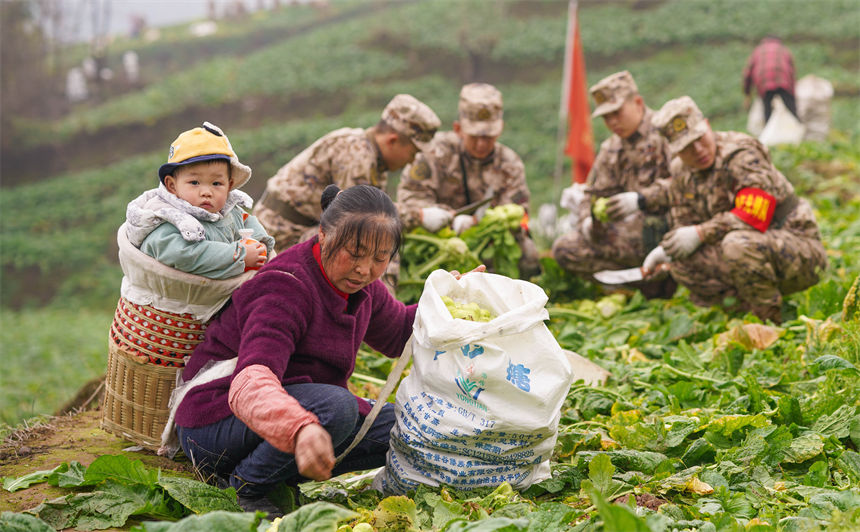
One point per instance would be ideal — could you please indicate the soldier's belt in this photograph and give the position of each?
(285, 210)
(781, 212)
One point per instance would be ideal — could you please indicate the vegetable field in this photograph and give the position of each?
(710, 420)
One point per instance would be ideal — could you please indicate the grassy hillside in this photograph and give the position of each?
(282, 93)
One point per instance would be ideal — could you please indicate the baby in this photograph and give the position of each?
(194, 220)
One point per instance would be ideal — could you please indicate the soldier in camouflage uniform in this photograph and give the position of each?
(290, 207)
(629, 161)
(464, 166)
(738, 228)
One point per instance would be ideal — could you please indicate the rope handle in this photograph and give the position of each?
(387, 388)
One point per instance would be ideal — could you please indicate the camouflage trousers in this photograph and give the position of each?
(529, 263)
(756, 268)
(611, 246)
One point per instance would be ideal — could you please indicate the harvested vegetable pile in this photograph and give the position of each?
(490, 242)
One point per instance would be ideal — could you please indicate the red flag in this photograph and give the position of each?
(580, 140)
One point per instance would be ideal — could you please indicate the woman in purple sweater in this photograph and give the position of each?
(296, 327)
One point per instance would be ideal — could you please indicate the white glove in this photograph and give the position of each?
(622, 205)
(586, 227)
(462, 222)
(573, 196)
(654, 259)
(434, 218)
(682, 242)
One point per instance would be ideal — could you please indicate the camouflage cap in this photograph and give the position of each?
(204, 143)
(611, 92)
(681, 122)
(480, 110)
(410, 117)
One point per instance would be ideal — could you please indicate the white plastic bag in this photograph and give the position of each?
(782, 127)
(813, 95)
(482, 401)
(755, 118)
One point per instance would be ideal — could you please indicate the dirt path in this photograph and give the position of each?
(63, 439)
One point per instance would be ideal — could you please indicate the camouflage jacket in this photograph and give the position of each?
(290, 205)
(707, 197)
(435, 178)
(628, 165)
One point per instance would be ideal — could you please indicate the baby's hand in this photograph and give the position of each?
(255, 254)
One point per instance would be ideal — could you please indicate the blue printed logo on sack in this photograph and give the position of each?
(470, 352)
(470, 390)
(518, 375)
(469, 387)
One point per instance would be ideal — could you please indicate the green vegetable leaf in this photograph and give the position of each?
(493, 524)
(803, 448)
(629, 459)
(829, 362)
(199, 497)
(838, 423)
(818, 474)
(318, 517)
(119, 468)
(396, 513)
(443, 511)
(616, 517)
(551, 517)
(90, 511)
(600, 472)
(849, 463)
(15, 522)
(788, 411)
(69, 477)
(698, 452)
(13, 484)
(726, 431)
(218, 521)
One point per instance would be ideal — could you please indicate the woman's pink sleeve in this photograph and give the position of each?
(259, 400)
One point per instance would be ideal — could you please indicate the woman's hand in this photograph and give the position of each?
(314, 452)
(479, 268)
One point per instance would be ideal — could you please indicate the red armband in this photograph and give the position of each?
(755, 207)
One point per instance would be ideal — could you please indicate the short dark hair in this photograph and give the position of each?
(384, 127)
(361, 215)
(181, 168)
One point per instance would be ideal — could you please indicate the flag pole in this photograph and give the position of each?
(567, 75)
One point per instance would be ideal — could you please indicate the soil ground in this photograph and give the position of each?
(64, 439)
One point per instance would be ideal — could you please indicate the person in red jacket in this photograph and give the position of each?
(770, 70)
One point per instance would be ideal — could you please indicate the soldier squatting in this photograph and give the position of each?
(695, 207)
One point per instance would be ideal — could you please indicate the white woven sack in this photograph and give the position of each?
(482, 401)
(813, 95)
(782, 127)
(755, 118)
